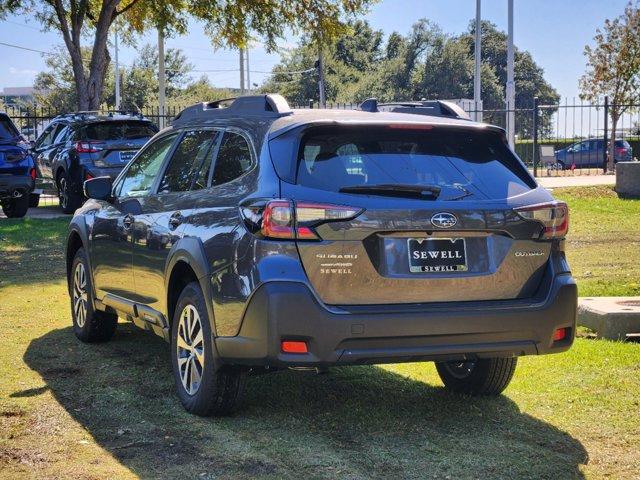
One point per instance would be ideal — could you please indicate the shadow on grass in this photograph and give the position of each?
(358, 422)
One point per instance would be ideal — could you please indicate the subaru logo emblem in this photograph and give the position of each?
(444, 220)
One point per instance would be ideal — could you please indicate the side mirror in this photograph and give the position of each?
(98, 188)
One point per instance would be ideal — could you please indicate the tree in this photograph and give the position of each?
(56, 91)
(228, 22)
(613, 68)
(426, 63)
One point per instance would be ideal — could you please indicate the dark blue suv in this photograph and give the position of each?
(17, 170)
(253, 238)
(79, 146)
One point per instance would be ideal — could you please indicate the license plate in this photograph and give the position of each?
(126, 156)
(437, 255)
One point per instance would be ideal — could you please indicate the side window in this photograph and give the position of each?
(62, 135)
(47, 136)
(190, 162)
(138, 179)
(233, 160)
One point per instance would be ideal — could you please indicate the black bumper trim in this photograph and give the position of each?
(289, 310)
(10, 183)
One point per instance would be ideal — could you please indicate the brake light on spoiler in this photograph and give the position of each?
(290, 220)
(554, 217)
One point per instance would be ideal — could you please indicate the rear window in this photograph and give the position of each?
(7, 130)
(478, 163)
(119, 130)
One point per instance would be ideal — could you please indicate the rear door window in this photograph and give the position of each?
(189, 166)
(478, 163)
(233, 160)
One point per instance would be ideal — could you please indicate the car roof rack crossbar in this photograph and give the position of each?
(267, 106)
(436, 108)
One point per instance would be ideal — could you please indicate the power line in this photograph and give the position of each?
(23, 25)
(26, 48)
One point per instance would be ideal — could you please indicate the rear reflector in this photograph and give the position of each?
(559, 334)
(293, 346)
(554, 217)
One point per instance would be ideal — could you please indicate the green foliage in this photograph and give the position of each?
(425, 63)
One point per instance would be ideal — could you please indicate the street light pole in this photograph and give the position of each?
(511, 88)
(161, 79)
(117, 72)
(248, 72)
(477, 95)
(242, 84)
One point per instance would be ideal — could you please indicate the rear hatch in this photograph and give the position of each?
(432, 215)
(113, 143)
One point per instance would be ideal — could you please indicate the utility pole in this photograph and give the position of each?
(117, 72)
(511, 87)
(242, 71)
(161, 79)
(323, 100)
(477, 95)
(248, 72)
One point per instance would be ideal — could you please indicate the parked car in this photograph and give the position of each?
(17, 170)
(254, 238)
(590, 154)
(78, 146)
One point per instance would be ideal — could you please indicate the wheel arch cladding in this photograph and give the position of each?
(185, 264)
(74, 243)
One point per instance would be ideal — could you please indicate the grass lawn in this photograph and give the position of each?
(69, 410)
(603, 245)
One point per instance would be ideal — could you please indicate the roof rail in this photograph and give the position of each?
(436, 108)
(267, 106)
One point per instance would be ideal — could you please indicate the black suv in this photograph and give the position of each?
(254, 238)
(78, 146)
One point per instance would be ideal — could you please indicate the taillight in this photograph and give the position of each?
(89, 147)
(554, 217)
(621, 150)
(32, 173)
(286, 219)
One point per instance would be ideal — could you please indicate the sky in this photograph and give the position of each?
(554, 31)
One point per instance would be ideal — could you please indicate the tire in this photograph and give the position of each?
(485, 376)
(16, 207)
(34, 200)
(219, 390)
(89, 325)
(70, 201)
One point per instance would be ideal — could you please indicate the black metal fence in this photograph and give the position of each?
(567, 138)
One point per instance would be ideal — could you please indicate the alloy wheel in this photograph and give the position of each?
(63, 192)
(460, 370)
(80, 294)
(190, 349)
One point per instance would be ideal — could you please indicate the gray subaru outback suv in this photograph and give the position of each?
(254, 238)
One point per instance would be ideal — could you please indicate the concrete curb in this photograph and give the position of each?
(615, 318)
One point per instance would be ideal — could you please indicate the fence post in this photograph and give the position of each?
(535, 136)
(606, 133)
(311, 103)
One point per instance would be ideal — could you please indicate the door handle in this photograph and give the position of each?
(127, 221)
(175, 220)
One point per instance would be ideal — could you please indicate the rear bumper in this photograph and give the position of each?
(10, 184)
(389, 334)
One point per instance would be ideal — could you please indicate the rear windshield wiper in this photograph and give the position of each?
(395, 190)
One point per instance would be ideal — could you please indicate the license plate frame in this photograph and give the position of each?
(449, 255)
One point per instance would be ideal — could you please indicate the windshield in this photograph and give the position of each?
(7, 130)
(463, 163)
(119, 130)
